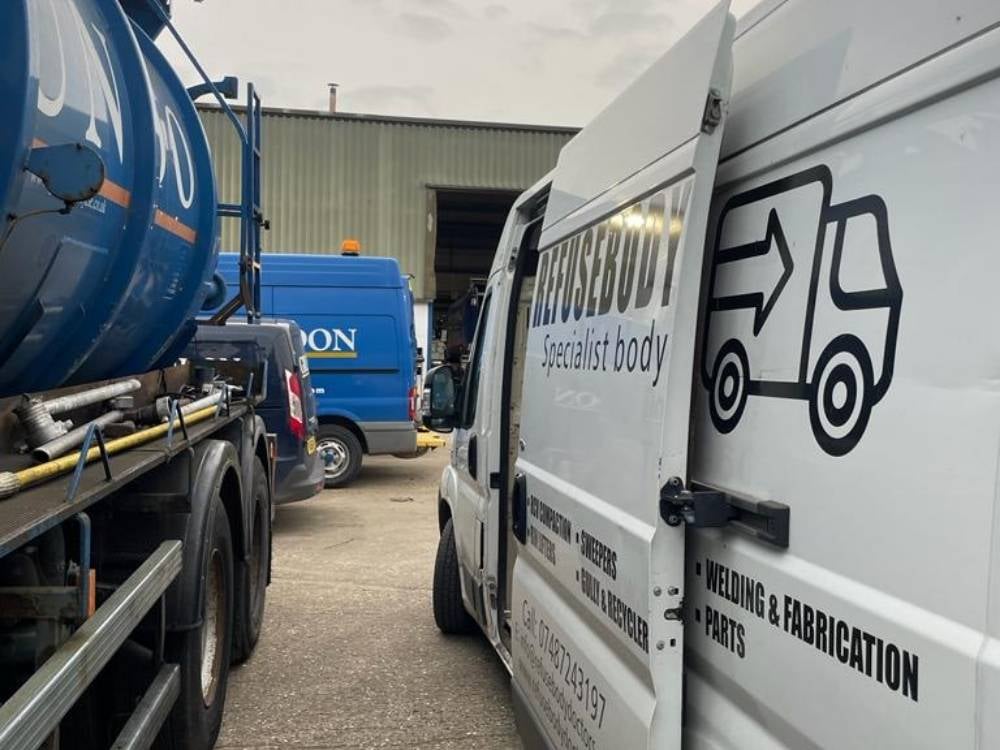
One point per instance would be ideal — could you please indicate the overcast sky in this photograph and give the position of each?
(555, 62)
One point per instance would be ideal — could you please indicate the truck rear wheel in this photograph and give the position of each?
(253, 572)
(203, 652)
(449, 611)
(341, 453)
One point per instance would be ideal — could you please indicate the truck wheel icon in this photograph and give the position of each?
(842, 395)
(770, 262)
(730, 379)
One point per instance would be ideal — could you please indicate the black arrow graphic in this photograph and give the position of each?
(774, 237)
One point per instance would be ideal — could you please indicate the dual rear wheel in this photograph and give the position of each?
(203, 652)
(229, 618)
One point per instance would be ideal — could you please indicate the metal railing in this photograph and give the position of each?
(36, 709)
(249, 210)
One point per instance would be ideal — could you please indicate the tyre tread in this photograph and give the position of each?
(449, 611)
(247, 624)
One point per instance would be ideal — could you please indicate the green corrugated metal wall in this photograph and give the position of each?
(326, 178)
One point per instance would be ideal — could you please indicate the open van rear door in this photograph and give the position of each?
(598, 584)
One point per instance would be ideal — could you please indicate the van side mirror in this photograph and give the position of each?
(440, 411)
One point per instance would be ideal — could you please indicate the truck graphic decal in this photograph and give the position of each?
(828, 338)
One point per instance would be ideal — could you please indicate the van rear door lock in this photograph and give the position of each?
(705, 507)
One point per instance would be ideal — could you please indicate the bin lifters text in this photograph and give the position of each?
(611, 268)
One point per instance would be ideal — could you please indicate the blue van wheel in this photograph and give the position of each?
(340, 451)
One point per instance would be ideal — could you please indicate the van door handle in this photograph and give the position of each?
(705, 507)
(519, 508)
(473, 457)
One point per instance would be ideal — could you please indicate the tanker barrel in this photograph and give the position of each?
(105, 151)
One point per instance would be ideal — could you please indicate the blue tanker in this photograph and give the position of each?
(107, 286)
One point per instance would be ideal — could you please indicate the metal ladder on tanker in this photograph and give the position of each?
(250, 213)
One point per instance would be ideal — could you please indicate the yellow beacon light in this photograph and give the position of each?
(350, 247)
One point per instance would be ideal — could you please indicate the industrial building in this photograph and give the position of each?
(432, 193)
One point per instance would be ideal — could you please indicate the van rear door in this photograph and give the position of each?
(598, 584)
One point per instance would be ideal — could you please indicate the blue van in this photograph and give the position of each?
(356, 316)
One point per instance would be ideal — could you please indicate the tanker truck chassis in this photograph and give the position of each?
(128, 584)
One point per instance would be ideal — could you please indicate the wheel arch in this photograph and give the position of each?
(447, 492)
(348, 423)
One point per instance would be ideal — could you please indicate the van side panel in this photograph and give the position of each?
(355, 349)
(872, 409)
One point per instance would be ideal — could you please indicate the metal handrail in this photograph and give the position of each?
(249, 210)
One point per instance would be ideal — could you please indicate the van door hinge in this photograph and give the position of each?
(713, 112)
(705, 507)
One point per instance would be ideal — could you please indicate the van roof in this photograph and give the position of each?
(304, 269)
(795, 59)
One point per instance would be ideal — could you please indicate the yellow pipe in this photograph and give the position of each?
(51, 469)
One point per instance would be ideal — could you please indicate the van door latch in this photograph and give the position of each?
(706, 507)
(713, 112)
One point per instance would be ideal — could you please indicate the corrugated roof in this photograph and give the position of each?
(429, 121)
(327, 177)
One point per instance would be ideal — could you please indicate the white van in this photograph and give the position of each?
(725, 470)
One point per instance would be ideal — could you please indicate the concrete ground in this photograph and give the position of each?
(350, 656)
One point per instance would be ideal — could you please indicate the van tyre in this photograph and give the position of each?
(449, 611)
(203, 652)
(341, 452)
(841, 395)
(252, 573)
(729, 386)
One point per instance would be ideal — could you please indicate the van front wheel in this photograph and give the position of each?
(449, 611)
(341, 452)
